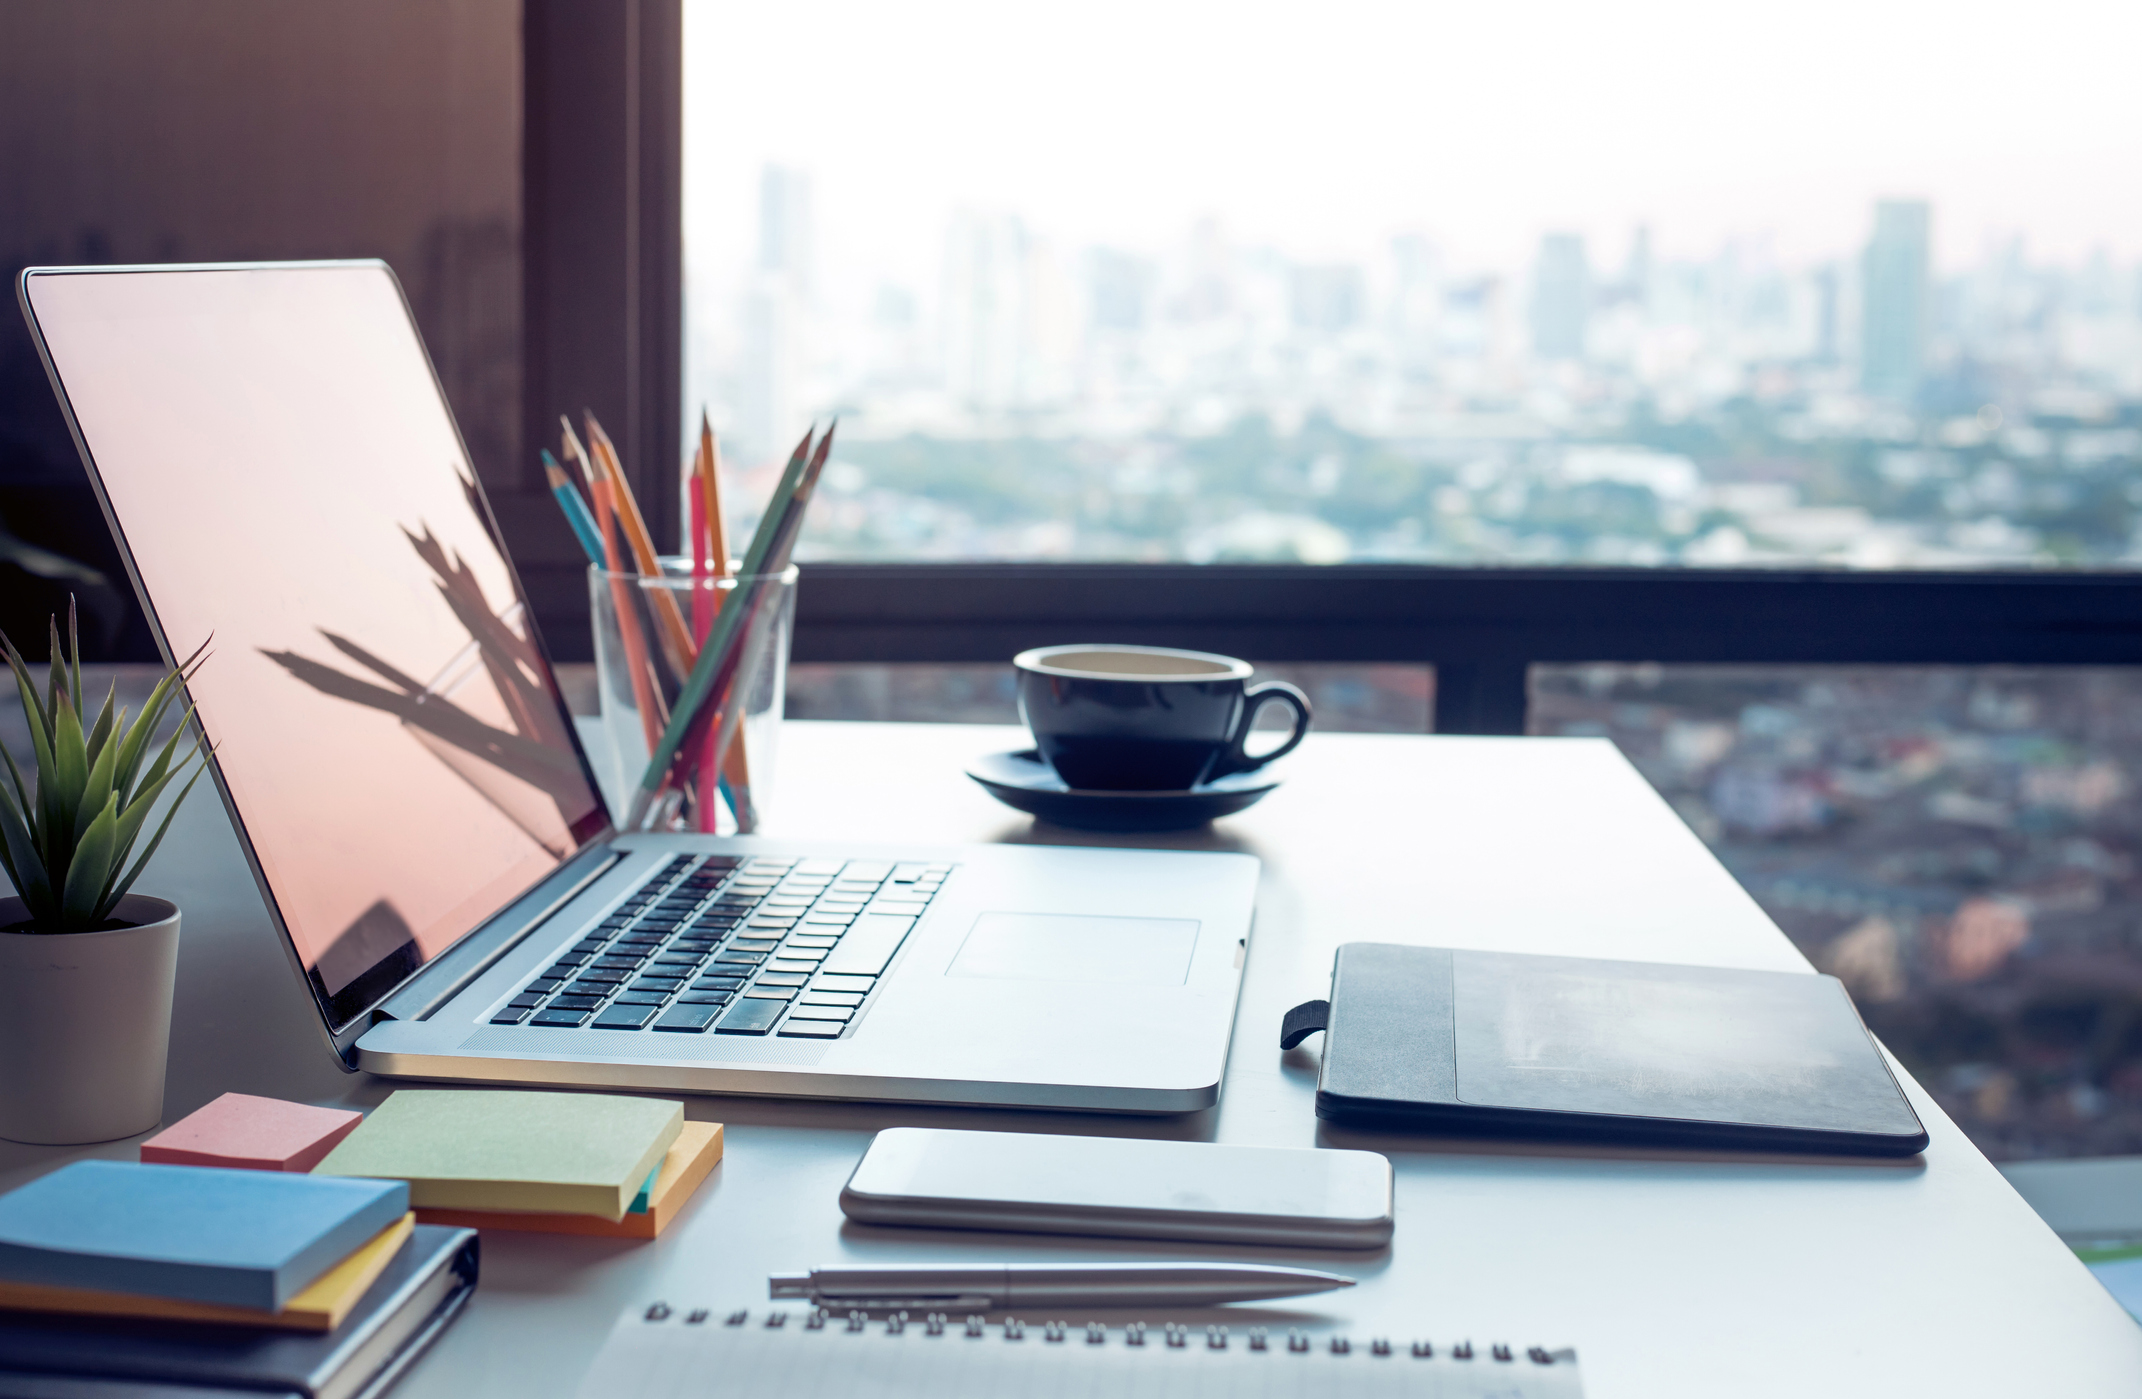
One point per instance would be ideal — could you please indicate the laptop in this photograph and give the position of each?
(280, 469)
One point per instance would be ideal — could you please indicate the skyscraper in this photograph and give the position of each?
(1416, 300)
(787, 243)
(1636, 277)
(1894, 299)
(777, 308)
(1829, 296)
(1011, 322)
(1561, 297)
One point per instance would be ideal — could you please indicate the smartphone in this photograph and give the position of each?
(1125, 1187)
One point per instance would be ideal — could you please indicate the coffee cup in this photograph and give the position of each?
(1146, 718)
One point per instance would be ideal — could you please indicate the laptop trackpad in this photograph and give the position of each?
(1070, 947)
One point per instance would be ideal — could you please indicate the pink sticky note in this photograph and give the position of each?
(247, 1133)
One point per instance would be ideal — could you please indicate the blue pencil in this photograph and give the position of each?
(576, 510)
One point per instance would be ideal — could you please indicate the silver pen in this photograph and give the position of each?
(967, 1288)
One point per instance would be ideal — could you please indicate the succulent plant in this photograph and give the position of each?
(65, 843)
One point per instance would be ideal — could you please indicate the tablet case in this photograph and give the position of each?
(1634, 1052)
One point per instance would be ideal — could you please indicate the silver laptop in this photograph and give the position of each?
(281, 470)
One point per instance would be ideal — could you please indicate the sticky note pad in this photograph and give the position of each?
(555, 1153)
(320, 1307)
(693, 1157)
(246, 1133)
(193, 1233)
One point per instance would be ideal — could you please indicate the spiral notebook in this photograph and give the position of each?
(664, 1353)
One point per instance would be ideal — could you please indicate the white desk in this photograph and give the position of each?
(1675, 1273)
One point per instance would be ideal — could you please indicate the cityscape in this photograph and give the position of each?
(1218, 400)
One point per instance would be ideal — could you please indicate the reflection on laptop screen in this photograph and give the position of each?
(285, 473)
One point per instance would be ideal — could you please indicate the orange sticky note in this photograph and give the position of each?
(689, 1161)
(245, 1133)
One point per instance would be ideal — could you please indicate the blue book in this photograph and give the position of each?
(197, 1233)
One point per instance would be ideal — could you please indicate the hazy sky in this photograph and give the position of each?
(1322, 129)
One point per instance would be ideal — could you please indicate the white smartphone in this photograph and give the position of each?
(1126, 1187)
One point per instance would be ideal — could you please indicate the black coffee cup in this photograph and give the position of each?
(1146, 718)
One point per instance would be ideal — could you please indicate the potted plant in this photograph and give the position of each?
(86, 965)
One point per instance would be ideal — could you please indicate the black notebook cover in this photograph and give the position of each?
(422, 1289)
(1503, 1043)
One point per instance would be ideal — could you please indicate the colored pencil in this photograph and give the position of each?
(729, 628)
(576, 509)
(628, 622)
(738, 673)
(725, 653)
(735, 766)
(702, 610)
(577, 456)
(710, 487)
(675, 635)
(702, 571)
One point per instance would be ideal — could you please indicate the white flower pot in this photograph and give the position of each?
(85, 1025)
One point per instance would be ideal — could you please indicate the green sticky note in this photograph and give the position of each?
(545, 1153)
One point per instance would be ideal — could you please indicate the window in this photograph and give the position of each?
(1657, 283)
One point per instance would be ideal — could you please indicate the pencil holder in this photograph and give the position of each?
(648, 632)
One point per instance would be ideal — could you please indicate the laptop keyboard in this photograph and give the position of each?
(732, 946)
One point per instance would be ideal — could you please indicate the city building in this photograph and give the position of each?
(1895, 291)
(1562, 296)
(779, 303)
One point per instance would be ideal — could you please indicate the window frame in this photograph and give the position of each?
(1481, 628)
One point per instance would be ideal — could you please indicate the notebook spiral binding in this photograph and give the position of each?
(1135, 1334)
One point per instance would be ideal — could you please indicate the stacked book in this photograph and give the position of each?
(562, 1163)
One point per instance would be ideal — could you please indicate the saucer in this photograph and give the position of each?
(1023, 781)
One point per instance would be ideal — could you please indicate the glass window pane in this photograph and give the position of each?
(1649, 283)
(1961, 847)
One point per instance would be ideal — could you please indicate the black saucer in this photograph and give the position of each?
(1023, 781)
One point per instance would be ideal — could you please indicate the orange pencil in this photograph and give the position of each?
(669, 618)
(702, 569)
(707, 784)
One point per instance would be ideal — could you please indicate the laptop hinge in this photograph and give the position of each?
(475, 954)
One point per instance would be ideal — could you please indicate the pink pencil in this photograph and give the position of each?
(703, 575)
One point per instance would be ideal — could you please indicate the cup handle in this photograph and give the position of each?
(1254, 699)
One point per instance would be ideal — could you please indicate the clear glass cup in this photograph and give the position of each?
(647, 631)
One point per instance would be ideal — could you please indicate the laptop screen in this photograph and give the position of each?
(286, 476)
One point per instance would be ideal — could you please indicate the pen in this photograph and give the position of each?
(1051, 1284)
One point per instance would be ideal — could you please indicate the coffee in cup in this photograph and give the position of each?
(1146, 718)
